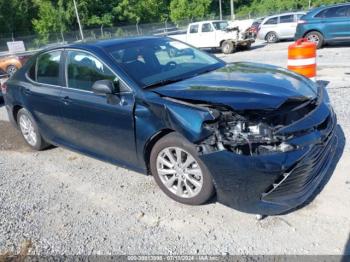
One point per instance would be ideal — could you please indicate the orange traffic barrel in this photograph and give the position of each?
(302, 58)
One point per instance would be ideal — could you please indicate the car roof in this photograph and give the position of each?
(316, 10)
(101, 44)
(282, 14)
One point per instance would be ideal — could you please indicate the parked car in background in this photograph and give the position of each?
(278, 27)
(325, 25)
(259, 137)
(10, 64)
(215, 34)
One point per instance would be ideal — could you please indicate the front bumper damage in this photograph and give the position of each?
(275, 183)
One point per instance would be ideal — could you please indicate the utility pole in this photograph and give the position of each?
(78, 19)
(309, 4)
(220, 8)
(232, 11)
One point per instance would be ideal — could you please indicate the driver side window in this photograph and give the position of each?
(206, 28)
(83, 70)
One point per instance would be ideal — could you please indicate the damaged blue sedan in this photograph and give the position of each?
(260, 138)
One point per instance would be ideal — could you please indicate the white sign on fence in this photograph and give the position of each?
(16, 46)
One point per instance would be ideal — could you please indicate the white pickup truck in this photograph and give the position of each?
(215, 34)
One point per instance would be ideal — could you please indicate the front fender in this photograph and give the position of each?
(159, 114)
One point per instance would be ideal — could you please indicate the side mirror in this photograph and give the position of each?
(104, 87)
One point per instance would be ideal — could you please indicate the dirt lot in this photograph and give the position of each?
(59, 202)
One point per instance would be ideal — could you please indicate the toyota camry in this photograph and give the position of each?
(258, 137)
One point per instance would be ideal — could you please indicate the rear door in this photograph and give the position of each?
(42, 92)
(336, 22)
(96, 124)
(287, 26)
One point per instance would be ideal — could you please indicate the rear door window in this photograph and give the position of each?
(48, 68)
(83, 70)
(272, 21)
(287, 19)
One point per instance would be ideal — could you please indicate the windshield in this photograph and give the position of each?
(156, 61)
(222, 25)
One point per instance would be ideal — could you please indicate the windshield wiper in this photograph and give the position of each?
(165, 82)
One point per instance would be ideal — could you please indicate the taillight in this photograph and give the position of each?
(3, 87)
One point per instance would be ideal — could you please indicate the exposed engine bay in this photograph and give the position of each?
(234, 133)
(255, 132)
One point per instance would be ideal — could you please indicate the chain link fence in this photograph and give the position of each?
(35, 42)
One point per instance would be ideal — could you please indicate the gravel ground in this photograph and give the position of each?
(59, 202)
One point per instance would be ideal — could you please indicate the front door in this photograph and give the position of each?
(96, 124)
(207, 36)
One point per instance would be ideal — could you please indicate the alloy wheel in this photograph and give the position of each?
(271, 38)
(28, 130)
(313, 38)
(179, 172)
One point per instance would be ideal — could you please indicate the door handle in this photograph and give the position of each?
(27, 91)
(66, 100)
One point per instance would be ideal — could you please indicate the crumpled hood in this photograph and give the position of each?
(243, 86)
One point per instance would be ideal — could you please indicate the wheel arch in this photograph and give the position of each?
(313, 30)
(150, 144)
(15, 111)
(227, 40)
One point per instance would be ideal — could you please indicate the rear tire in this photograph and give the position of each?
(271, 37)
(227, 47)
(315, 37)
(179, 172)
(30, 131)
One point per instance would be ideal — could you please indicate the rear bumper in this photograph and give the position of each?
(276, 183)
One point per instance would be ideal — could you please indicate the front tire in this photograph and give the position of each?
(30, 130)
(179, 172)
(227, 47)
(316, 38)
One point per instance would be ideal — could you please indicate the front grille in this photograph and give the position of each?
(301, 177)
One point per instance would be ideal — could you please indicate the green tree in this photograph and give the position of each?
(144, 11)
(104, 20)
(267, 7)
(51, 18)
(189, 9)
(15, 17)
